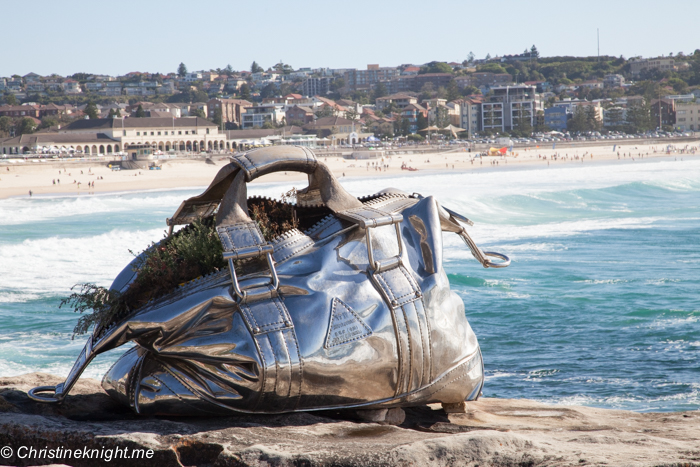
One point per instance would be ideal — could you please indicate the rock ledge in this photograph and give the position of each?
(498, 432)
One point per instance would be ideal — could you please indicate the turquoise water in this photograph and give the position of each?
(600, 306)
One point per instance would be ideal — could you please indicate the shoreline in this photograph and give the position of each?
(58, 178)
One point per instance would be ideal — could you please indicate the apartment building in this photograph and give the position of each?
(231, 109)
(399, 100)
(613, 81)
(316, 86)
(688, 116)
(663, 112)
(255, 117)
(470, 116)
(637, 66)
(365, 79)
(508, 106)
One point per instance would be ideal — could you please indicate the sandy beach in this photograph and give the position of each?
(72, 178)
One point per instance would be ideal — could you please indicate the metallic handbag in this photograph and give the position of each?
(354, 312)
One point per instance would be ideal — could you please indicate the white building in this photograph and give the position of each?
(255, 117)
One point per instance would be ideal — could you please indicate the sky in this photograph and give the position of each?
(115, 38)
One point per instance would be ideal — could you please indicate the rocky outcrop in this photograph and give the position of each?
(492, 432)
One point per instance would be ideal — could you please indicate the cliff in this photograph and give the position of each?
(498, 432)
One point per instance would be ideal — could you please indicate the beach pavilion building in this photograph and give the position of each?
(113, 135)
(86, 143)
(184, 134)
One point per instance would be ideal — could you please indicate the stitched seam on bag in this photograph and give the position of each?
(301, 365)
(185, 401)
(277, 364)
(393, 295)
(253, 168)
(191, 389)
(410, 354)
(367, 328)
(430, 343)
(264, 372)
(422, 341)
(301, 248)
(466, 372)
(385, 286)
(289, 357)
(412, 282)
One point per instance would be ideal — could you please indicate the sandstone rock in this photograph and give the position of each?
(500, 432)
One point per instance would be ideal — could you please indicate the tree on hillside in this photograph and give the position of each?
(270, 90)
(255, 68)
(435, 67)
(198, 113)
(218, 117)
(533, 52)
(140, 113)
(470, 57)
(492, 68)
(325, 111)
(228, 71)
(421, 121)
(453, 92)
(245, 91)
(181, 70)
(427, 91)
(111, 113)
(442, 117)
(379, 90)
(592, 121)
(5, 125)
(578, 122)
(10, 99)
(91, 111)
(24, 126)
(351, 113)
(639, 118)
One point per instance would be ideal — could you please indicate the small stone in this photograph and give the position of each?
(457, 407)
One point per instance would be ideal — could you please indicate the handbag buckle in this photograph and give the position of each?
(368, 218)
(253, 253)
(388, 263)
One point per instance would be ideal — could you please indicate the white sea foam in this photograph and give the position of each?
(54, 264)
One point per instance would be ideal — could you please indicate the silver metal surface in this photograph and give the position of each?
(355, 312)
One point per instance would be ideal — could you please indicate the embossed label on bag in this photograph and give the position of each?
(345, 326)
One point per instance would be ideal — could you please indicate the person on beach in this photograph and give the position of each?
(30, 193)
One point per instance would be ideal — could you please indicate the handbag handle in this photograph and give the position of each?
(323, 187)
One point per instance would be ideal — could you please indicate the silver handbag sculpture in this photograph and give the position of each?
(354, 312)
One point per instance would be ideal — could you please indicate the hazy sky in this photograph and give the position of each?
(47, 36)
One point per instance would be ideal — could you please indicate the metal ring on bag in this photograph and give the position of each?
(504, 264)
(34, 394)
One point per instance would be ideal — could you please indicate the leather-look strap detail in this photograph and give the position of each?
(397, 285)
(257, 163)
(404, 297)
(367, 216)
(272, 328)
(266, 316)
(243, 240)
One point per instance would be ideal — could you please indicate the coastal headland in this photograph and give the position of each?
(56, 177)
(492, 432)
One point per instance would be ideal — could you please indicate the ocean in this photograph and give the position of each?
(600, 306)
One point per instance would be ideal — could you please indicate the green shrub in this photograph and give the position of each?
(192, 252)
